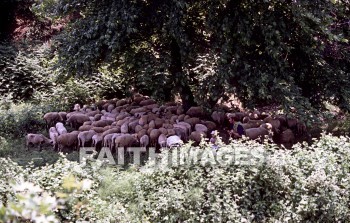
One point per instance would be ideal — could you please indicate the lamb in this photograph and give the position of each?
(60, 128)
(255, 133)
(77, 120)
(162, 140)
(85, 137)
(144, 141)
(51, 118)
(36, 139)
(173, 141)
(68, 140)
(53, 135)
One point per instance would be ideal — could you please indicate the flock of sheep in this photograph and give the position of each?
(140, 121)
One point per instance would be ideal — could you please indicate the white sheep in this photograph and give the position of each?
(173, 141)
(60, 128)
(53, 135)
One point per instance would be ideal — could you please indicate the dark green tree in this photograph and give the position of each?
(293, 53)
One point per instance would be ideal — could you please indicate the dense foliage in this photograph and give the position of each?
(293, 53)
(309, 183)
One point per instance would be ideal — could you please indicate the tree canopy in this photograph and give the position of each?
(294, 53)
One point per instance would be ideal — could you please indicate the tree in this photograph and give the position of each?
(262, 51)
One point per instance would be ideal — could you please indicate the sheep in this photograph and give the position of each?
(85, 137)
(93, 113)
(173, 141)
(170, 132)
(77, 120)
(287, 137)
(180, 110)
(276, 124)
(125, 140)
(63, 116)
(254, 115)
(192, 121)
(87, 123)
(210, 125)
(53, 135)
(144, 141)
(255, 123)
(51, 118)
(143, 120)
(147, 102)
(171, 109)
(76, 107)
(85, 128)
(108, 139)
(151, 106)
(96, 139)
(137, 110)
(138, 128)
(162, 139)
(218, 117)
(97, 117)
(185, 124)
(110, 107)
(154, 134)
(141, 133)
(68, 140)
(36, 139)
(110, 131)
(181, 117)
(163, 130)
(195, 112)
(132, 125)
(196, 136)
(124, 128)
(97, 129)
(102, 123)
(181, 131)
(152, 124)
(201, 128)
(60, 128)
(255, 133)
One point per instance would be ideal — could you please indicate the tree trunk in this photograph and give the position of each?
(180, 80)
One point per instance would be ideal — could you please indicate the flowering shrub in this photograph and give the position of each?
(307, 184)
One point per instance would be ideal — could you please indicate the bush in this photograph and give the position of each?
(306, 184)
